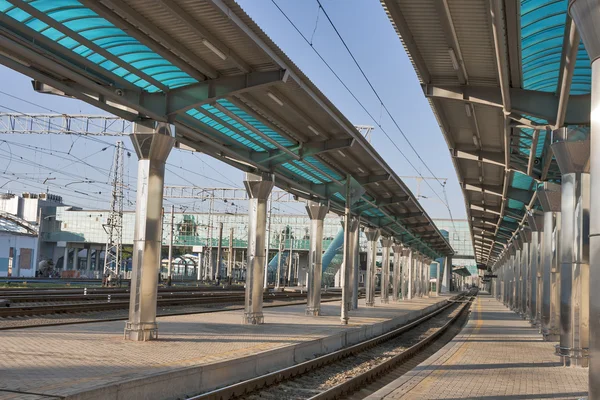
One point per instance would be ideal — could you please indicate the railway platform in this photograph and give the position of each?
(497, 355)
(194, 353)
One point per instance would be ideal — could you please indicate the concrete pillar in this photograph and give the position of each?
(152, 146)
(437, 278)
(88, 261)
(416, 275)
(356, 266)
(405, 269)
(317, 213)
(550, 198)
(386, 244)
(535, 220)
(447, 278)
(66, 258)
(258, 188)
(410, 274)
(426, 274)
(75, 258)
(97, 257)
(350, 227)
(571, 147)
(397, 278)
(372, 235)
(525, 271)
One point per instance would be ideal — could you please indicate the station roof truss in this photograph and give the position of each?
(205, 67)
(14, 225)
(499, 79)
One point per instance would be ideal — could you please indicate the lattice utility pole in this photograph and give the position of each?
(114, 224)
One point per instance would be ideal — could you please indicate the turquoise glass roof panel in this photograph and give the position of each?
(542, 36)
(224, 130)
(72, 19)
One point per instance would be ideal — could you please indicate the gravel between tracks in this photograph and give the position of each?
(312, 383)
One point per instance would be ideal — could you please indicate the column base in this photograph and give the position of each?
(141, 332)
(313, 311)
(385, 301)
(253, 318)
(371, 304)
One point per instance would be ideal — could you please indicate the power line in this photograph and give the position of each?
(378, 123)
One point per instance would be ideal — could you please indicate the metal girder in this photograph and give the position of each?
(315, 147)
(529, 102)
(497, 190)
(489, 157)
(488, 209)
(180, 100)
(365, 180)
(416, 225)
(445, 17)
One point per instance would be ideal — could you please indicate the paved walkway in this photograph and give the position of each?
(64, 360)
(496, 356)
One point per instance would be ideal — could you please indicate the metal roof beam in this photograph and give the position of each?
(489, 157)
(365, 180)
(570, 48)
(528, 102)
(443, 12)
(185, 98)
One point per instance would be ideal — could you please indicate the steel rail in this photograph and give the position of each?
(263, 381)
(23, 311)
(368, 376)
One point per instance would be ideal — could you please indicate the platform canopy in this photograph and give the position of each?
(229, 91)
(13, 225)
(497, 74)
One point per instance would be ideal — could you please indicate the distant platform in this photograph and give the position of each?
(497, 355)
(194, 353)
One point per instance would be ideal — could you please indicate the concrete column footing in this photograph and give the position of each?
(255, 318)
(141, 332)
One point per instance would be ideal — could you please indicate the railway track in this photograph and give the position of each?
(85, 304)
(345, 371)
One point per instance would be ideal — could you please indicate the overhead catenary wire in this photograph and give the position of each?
(360, 103)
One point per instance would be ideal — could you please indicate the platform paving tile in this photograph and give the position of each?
(63, 360)
(497, 355)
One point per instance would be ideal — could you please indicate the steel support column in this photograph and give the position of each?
(396, 284)
(258, 188)
(316, 212)
(571, 147)
(525, 271)
(550, 197)
(410, 274)
(152, 145)
(406, 265)
(372, 237)
(355, 265)
(386, 244)
(350, 227)
(586, 16)
(535, 221)
(447, 278)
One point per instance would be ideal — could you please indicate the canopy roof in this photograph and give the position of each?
(14, 225)
(493, 72)
(208, 69)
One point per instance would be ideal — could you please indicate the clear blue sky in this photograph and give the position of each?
(370, 36)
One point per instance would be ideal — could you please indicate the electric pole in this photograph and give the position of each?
(114, 223)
